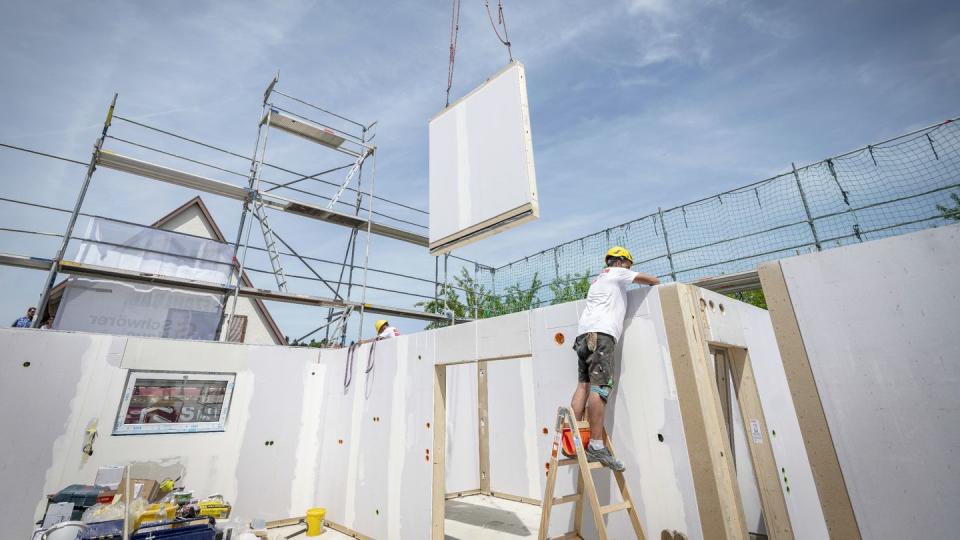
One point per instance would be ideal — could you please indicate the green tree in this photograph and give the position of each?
(951, 213)
(447, 299)
(467, 298)
(570, 288)
(517, 298)
(754, 297)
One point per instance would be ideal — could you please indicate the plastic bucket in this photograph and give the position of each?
(315, 521)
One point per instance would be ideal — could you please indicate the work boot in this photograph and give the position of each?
(605, 458)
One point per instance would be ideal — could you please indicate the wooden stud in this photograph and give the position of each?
(774, 504)
(439, 450)
(466, 493)
(827, 474)
(708, 444)
(483, 421)
(515, 498)
(625, 493)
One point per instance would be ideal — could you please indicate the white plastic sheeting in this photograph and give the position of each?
(141, 249)
(114, 307)
(482, 176)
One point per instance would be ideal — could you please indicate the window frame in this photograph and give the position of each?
(121, 428)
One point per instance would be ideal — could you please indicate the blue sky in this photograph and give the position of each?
(634, 104)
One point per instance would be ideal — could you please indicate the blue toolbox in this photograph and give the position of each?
(191, 529)
(104, 530)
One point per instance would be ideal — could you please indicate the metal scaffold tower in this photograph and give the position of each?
(327, 137)
(260, 200)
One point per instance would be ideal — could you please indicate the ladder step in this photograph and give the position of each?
(615, 507)
(567, 499)
(572, 535)
(590, 465)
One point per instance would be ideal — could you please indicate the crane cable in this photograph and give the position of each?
(455, 31)
(503, 22)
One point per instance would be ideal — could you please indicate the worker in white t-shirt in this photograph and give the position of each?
(599, 329)
(384, 330)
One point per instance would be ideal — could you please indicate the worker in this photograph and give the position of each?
(599, 328)
(384, 330)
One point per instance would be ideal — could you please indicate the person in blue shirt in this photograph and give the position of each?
(26, 321)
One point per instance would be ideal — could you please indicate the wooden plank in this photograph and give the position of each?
(483, 421)
(578, 508)
(567, 536)
(467, 493)
(439, 450)
(575, 497)
(615, 507)
(714, 477)
(516, 498)
(775, 513)
(552, 473)
(831, 487)
(275, 524)
(625, 493)
(589, 488)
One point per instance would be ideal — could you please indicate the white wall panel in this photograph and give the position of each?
(481, 162)
(879, 322)
(456, 344)
(463, 443)
(364, 452)
(503, 337)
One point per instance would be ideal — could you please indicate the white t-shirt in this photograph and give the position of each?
(607, 302)
(388, 332)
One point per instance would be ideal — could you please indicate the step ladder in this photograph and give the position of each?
(585, 486)
(270, 240)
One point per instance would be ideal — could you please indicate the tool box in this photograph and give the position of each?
(193, 529)
(104, 530)
(81, 496)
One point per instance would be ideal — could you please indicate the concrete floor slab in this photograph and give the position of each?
(479, 517)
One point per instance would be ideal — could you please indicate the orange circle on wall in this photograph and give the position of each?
(559, 338)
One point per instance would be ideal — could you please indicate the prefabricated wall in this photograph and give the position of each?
(294, 438)
(309, 427)
(869, 337)
(530, 370)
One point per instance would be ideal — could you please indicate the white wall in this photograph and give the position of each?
(879, 321)
(377, 481)
(364, 451)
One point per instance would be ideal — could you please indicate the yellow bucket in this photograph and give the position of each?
(315, 521)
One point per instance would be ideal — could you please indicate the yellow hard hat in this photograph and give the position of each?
(618, 251)
(380, 324)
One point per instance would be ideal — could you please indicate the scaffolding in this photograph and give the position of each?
(331, 132)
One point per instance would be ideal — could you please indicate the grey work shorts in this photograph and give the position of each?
(595, 351)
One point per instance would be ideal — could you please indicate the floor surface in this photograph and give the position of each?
(480, 517)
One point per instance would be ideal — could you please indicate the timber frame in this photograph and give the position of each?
(708, 439)
(821, 451)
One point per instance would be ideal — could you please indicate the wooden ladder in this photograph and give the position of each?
(585, 485)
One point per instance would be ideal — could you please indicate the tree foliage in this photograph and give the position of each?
(948, 212)
(754, 297)
(467, 298)
(570, 288)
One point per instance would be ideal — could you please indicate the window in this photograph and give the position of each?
(237, 331)
(170, 402)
